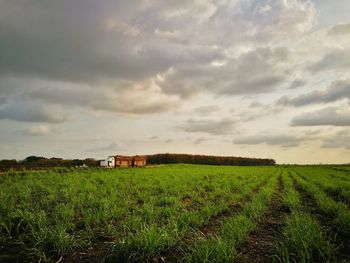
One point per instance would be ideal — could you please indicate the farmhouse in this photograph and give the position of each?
(124, 161)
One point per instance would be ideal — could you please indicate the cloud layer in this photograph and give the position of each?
(274, 140)
(338, 90)
(330, 116)
(210, 126)
(186, 76)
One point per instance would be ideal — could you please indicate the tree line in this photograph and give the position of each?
(168, 158)
(38, 162)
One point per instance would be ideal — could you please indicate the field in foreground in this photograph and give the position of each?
(177, 213)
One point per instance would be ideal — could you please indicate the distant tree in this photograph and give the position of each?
(91, 162)
(32, 159)
(77, 162)
(6, 164)
(56, 159)
(167, 158)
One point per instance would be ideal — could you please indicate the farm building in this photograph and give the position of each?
(108, 163)
(124, 161)
(139, 161)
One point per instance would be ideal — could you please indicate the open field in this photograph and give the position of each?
(177, 213)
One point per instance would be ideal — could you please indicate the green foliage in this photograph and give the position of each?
(337, 210)
(143, 245)
(145, 213)
(222, 247)
(304, 240)
(60, 210)
(212, 250)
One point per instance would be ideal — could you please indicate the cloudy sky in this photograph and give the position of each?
(257, 78)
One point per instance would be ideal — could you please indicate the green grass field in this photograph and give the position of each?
(176, 213)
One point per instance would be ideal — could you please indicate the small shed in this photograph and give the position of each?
(123, 161)
(139, 161)
(104, 163)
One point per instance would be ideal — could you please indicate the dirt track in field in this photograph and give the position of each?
(260, 245)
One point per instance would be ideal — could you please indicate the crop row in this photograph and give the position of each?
(186, 213)
(155, 239)
(222, 246)
(303, 238)
(55, 213)
(338, 211)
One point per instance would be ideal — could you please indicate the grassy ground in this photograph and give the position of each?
(176, 213)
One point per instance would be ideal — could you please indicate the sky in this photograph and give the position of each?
(254, 78)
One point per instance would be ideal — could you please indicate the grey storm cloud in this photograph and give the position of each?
(336, 91)
(71, 40)
(131, 100)
(115, 49)
(210, 126)
(89, 41)
(34, 112)
(334, 60)
(256, 72)
(253, 72)
(276, 140)
(2, 100)
(330, 116)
